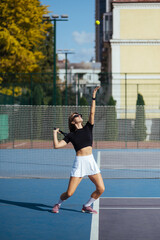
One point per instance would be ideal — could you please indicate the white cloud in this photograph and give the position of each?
(83, 37)
(83, 55)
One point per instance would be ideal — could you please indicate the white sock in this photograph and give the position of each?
(60, 202)
(90, 201)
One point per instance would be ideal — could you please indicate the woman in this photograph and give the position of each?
(84, 164)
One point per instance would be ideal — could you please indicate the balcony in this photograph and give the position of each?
(107, 26)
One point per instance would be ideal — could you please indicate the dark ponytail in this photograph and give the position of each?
(72, 127)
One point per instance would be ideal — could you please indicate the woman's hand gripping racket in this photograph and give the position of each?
(65, 134)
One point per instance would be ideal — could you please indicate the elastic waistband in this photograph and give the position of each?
(86, 156)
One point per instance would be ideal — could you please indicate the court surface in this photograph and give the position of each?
(128, 218)
(128, 209)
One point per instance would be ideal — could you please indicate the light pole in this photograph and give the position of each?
(66, 52)
(54, 19)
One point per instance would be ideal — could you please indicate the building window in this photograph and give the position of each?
(107, 26)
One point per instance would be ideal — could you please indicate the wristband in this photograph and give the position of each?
(93, 98)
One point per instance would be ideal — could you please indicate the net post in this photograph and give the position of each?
(98, 158)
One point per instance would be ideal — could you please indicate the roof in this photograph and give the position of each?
(82, 65)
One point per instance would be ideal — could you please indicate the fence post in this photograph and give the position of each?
(66, 90)
(31, 89)
(31, 116)
(125, 110)
(13, 94)
(78, 91)
(136, 106)
(13, 127)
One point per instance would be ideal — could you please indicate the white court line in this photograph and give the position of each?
(17, 145)
(123, 208)
(98, 158)
(20, 144)
(129, 166)
(94, 234)
(132, 197)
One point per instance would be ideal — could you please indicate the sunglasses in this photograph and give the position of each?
(76, 115)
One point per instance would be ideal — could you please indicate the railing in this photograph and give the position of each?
(32, 126)
(37, 88)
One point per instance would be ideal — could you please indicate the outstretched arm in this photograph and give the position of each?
(56, 143)
(93, 106)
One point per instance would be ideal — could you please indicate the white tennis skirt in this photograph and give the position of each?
(84, 166)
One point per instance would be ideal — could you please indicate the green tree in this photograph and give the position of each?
(21, 31)
(71, 96)
(111, 121)
(105, 79)
(111, 102)
(140, 127)
(46, 67)
(83, 101)
(58, 97)
(38, 95)
(46, 47)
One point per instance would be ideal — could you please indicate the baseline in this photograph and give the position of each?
(94, 234)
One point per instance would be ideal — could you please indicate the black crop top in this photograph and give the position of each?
(81, 137)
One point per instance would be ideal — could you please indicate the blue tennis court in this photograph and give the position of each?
(128, 209)
(26, 210)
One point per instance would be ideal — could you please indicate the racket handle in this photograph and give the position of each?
(61, 132)
(65, 134)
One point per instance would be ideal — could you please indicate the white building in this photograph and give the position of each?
(80, 76)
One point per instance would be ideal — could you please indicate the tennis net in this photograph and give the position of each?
(135, 163)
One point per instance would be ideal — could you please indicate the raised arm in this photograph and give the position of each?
(93, 106)
(56, 143)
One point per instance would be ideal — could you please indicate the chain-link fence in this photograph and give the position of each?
(119, 140)
(32, 126)
(76, 88)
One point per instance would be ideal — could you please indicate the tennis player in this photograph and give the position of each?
(84, 164)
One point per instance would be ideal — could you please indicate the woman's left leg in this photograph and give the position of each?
(98, 181)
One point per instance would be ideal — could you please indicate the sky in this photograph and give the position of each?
(78, 33)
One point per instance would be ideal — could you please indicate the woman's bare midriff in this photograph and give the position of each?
(84, 151)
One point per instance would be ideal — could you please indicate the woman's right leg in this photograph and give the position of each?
(73, 184)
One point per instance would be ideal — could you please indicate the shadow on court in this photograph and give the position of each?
(26, 205)
(35, 206)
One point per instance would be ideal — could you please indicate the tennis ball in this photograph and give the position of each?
(97, 22)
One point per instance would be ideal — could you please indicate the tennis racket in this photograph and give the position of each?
(65, 134)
